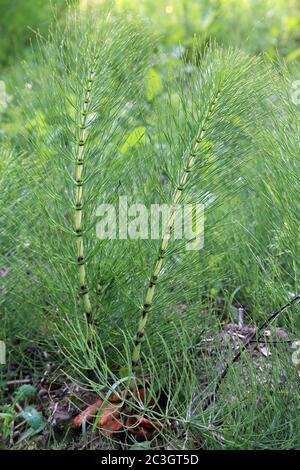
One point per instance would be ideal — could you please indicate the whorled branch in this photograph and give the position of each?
(166, 236)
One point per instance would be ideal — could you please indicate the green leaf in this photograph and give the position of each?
(293, 55)
(124, 372)
(24, 392)
(33, 418)
(30, 433)
(135, 137)
(153, 84)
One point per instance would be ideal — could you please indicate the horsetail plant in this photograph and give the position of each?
(183, 181)
(206, 150)
(76, 123)
(205, 143)
(210, 135)
(200, 141)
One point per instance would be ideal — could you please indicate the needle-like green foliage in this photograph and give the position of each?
(13, 241)
(197, 149)
(84, 86)
(201, 144)
(221, 132)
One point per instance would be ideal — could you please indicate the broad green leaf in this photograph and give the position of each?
(33, 418)
(124, 372)
(24, 392)
(153, 84)
(135, 137)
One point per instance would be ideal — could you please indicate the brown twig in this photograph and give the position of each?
(18, 382)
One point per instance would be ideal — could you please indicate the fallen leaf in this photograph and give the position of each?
(110, 420)
(88, 414)
(117, 397)
(142, 427)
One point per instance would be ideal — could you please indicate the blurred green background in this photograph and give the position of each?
(270, 26)
(255, 25)
(20, 20)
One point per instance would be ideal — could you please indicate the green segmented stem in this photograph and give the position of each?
(83, 289)
(166, 236)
